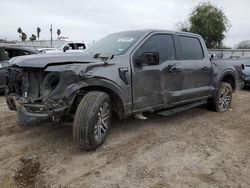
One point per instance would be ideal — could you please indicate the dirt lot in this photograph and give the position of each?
(197, 148)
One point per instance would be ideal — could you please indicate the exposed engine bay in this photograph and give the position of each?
(35, 91)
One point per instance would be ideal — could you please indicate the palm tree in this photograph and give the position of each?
(23, 36)
(33, 37)
(38, 30)
(19, 30)
(58, 32)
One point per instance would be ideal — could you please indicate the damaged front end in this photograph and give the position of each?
(39, 95)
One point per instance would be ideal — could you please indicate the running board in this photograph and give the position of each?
(182, 108)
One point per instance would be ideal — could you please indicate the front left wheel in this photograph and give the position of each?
(92, 120)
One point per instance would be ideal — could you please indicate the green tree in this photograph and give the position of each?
(33, 37)
(38, 31)
(210, 22)
(58, 32)
(23, 36)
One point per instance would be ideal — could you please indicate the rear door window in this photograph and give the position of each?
(191, 48)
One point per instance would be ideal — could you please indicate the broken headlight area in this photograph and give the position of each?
(37, 90)
(24, 83)
(37, 85)
(54, 85)
(50, 83)
(39, 95)
(14, 79)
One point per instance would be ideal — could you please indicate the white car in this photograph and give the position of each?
(66, 47)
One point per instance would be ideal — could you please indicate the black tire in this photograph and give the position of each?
(90, 129)
(223, 98)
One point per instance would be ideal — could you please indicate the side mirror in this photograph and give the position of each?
(149, 58)
(65, 48)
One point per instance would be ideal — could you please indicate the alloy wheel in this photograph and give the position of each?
(225, 99)
(101, 126)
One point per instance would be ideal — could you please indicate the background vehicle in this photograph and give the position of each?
(66, 47)
(6, 53)
(126, 73)
(246, 74)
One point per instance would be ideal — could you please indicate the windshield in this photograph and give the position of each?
(114, 44)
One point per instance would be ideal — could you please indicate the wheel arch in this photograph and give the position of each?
(117, 103)
(229, 77)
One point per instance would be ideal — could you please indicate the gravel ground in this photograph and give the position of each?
(196, 148)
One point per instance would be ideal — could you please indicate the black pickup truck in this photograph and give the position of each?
(126, 73)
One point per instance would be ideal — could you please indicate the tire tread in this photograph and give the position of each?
(84, 113)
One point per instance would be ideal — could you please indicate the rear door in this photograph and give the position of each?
(196, 67)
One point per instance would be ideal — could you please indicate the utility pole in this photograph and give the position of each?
(51, 39)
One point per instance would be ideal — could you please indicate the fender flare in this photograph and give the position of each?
(102, 85)
(227, 72)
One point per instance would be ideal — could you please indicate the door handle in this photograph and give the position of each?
(205, 68)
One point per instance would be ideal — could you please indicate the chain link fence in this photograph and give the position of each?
(35, 44)
(228, 53)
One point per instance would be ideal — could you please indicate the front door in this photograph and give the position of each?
(156, 85)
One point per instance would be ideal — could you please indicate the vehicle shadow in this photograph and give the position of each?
(154, 118)
(59, 136)
(246, 88)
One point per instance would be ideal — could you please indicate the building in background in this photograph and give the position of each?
(41, 43)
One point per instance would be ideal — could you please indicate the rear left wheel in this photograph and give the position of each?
(223, 98)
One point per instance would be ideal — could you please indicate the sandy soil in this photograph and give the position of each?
(197, 148)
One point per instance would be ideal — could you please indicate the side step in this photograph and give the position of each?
(182, 108)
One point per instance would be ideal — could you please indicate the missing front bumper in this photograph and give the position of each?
(29, 114)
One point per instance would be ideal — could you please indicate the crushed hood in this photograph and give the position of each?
(45, 60)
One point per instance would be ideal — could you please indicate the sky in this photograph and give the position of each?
(83, 20)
